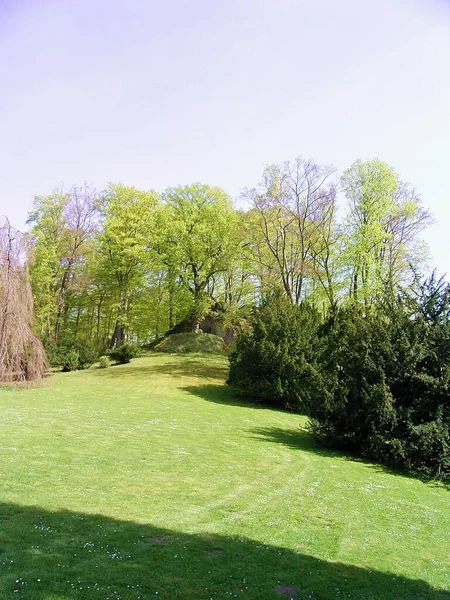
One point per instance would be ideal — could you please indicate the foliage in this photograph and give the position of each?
(128, 265)
(104, 362)
(124, 353)
(351, 400)
(62, 354)
(181, 343)
(292, 227)
(126, 215)
(63, 225)
(375, 380)
(274, 361)
(71, 361)
(195, 240)
(384, 384)
(384, 219)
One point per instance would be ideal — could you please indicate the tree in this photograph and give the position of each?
(63, 223)
(22, 356)
(382, 382)
(384, 219)
(405, 253)
(197, 242)
(123, 244)
(273, 360)
(294, 210)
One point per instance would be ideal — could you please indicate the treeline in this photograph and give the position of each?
(125, 265)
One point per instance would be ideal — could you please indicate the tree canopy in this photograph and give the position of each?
(127, 265)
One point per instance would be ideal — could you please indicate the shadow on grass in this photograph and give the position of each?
(222, 394)
(298, 439)
(64, 555)
(191, 367)
(301, 439)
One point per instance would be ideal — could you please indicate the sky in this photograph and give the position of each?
(157, 93)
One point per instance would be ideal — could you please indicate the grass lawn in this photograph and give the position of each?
(149, 480)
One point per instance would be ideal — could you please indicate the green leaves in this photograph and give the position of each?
(384, 219)
(195, 237)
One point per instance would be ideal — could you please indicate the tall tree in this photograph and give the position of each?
(384, 219)
(62, 224)
(124, 243)
(294, 206)
(198, 242)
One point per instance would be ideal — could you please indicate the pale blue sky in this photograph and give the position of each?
(158, 93)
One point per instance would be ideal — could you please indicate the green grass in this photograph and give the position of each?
(149, 480)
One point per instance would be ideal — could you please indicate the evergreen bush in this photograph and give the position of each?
(384, 387)
(123, 354)
(373, 380)
(71, 361)
(274, 361)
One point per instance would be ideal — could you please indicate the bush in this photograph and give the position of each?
(53, 354)
(274, 362)
(384, 388)
(104, 362)
(123, 354)
(375, 381)
(87, 353)
(352, 400)
(63, 353)
(71, 361)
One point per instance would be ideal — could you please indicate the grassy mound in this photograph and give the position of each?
(181, 343)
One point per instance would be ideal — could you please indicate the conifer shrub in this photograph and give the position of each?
(373, 380)
(384, 385)
(274, 360)
(71, 360)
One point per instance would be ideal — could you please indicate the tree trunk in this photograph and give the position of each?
(119, 334)
(98, 320)
(61, 301)
(77, 322)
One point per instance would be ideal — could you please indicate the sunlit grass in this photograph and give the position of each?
(149, 480)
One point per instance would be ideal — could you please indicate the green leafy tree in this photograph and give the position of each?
(385, 217)
(62, 225)
(196, 242)
(123, 244)
(293, 227)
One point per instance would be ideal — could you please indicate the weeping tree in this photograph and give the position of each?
(22, 357)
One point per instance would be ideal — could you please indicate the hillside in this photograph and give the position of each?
(150, 480)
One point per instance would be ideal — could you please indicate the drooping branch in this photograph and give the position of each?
(22, 357)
